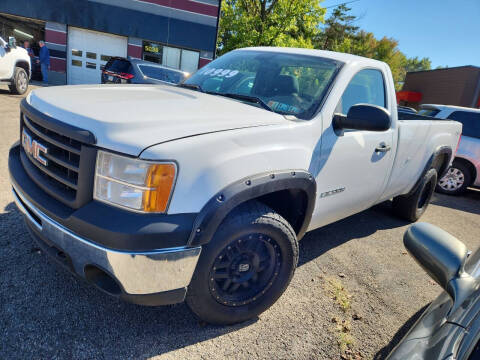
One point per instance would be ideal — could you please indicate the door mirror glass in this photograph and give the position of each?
(363, 117)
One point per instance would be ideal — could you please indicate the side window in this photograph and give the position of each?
(366, 87)
(470, 122)
(153, 72)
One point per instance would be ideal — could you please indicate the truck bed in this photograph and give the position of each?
(416, 142)
(404, 115)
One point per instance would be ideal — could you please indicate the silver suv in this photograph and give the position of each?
(465, 170)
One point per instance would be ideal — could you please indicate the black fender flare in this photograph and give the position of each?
(441, 150)
(220, 205)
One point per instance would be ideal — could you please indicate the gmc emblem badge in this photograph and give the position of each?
(34, 148)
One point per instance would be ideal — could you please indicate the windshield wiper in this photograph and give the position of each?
(252, 99)
(192, 86)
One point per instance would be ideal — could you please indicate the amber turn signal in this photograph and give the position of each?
(160, 180)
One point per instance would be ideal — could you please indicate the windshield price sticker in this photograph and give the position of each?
(227, 73)
(278, 106)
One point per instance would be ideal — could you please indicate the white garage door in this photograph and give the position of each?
(88, 50)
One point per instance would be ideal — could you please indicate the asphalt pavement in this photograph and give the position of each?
(355, 292)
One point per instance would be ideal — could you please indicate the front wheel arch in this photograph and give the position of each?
(292, 184)
(25, 66)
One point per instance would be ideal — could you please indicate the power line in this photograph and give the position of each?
(344, 3)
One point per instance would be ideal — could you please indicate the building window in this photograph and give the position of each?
(176, 58)
(189, 60)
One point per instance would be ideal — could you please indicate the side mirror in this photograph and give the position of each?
(443, 257)
(12, 42)
(363, 117)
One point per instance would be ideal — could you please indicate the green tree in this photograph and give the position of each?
(292, 23)
(416, 64)
(338, 28)
(340, 34)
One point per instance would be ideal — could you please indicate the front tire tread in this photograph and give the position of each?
(252, 215)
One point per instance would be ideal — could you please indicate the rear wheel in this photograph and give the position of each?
(456, 180)
(245, 268)
(20, 82)
(413, 206)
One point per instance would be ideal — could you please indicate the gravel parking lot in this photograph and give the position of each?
(354, 294)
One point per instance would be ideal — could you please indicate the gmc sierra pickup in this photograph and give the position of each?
(200, 192)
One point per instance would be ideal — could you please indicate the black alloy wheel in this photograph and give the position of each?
(245, 269)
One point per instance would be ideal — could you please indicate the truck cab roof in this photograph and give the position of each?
(342, 57)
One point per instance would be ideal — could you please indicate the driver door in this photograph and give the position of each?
(4, 61)
(353, 172)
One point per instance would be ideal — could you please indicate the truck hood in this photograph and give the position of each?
(130, 118)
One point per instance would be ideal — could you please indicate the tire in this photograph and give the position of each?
(411, 207)
(20, 82)
(456, 181)
(246, 266)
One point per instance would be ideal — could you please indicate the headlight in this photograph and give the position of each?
(144, 186)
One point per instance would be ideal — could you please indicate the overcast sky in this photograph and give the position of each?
(446, 31)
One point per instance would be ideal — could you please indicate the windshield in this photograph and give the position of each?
(428, 112)
(162, 74)
(118, 66)
(287, 83)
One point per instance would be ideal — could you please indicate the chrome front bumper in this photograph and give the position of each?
(137, 273)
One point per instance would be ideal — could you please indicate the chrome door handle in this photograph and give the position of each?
(383, 148)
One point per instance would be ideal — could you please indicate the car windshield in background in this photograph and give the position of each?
(162, 74)
(428, 112)
(287, 83)
(118, 66)
(470, 122)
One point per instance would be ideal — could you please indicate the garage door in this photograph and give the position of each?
(88, 50)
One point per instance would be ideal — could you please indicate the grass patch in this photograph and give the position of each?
(343, 327)
(345, 342)
(339, 293)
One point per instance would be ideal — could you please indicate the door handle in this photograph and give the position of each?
(383, 148)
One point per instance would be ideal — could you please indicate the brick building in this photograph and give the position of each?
(450, 86)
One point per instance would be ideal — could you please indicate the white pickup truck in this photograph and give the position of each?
(15, 66)
(201, 191)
